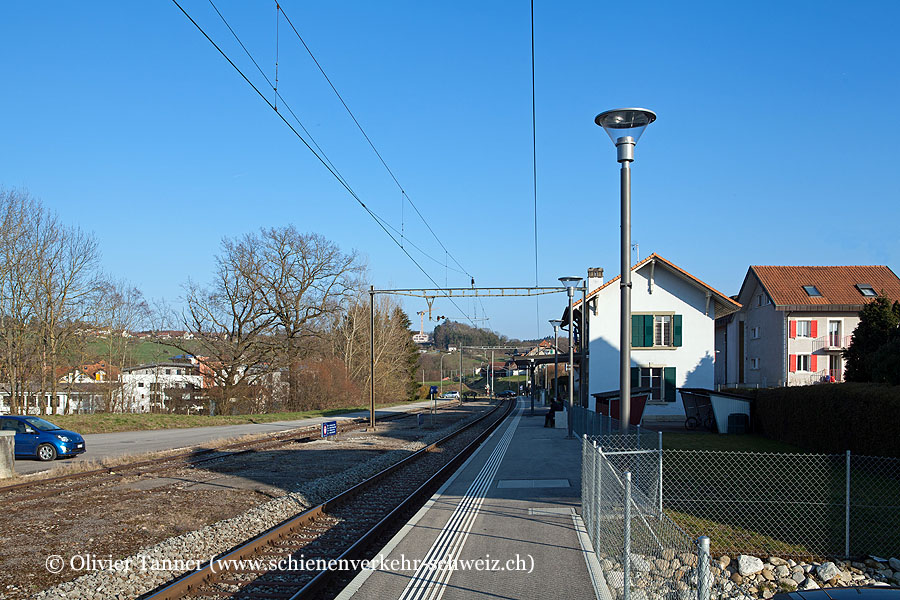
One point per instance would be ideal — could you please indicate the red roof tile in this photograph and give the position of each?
(837, 284)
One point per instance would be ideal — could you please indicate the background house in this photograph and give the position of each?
(795, 323)
(149, 387)
(672, 322)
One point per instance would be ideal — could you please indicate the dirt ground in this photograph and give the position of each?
(127, 513)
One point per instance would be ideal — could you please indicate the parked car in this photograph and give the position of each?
(849, 593)
(41, 439)
(507, 394)
(450, 395)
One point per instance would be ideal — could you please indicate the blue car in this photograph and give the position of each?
(42, 439)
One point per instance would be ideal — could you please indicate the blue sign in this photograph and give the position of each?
(329, 428)
(434, 389)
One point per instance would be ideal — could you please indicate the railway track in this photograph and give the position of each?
(340, 528)
(53, 485)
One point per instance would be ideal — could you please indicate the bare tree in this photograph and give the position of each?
(301, 279)
(230, 321)
(119, 309)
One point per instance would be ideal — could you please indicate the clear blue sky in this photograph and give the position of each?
(777, 138)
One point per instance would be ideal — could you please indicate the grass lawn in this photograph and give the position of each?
(113, 422)
(731, 442)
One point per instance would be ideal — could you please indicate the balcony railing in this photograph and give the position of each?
(831, 342)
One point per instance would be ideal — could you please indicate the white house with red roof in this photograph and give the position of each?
(673, 333)
(795, 323)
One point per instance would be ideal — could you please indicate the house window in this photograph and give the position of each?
(659, 380)
(140, 384)
(652, 378)
(804, 329)
(803, 362)
(655, 331)
(866, 290)
(168, 371)
(754, 363)
(662, 330)
(759, 300)
(754, 333)
(811, 291)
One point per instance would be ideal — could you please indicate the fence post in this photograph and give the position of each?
(626, 558)
(847, 507)
(704, 582)
(660, 476)
(598, 494)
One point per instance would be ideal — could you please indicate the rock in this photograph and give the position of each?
(807, 568)
(688, 558)
(768, 594)
(724, 560)
(808, 584)
(787, 584)
(827, 571)
(895, 563)
(774, 560)
(668, 554)
(886, 573)
(749, 565)
(798, 576)
(638, 563)
(782, 571)
(736, 577)
(768, 575)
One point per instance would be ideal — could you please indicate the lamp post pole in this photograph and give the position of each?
(570, 283)
(625, 127)
(556, 323)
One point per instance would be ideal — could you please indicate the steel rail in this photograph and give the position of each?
(282, 438)
(188, 583)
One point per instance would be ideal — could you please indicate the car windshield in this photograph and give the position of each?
(41, 424)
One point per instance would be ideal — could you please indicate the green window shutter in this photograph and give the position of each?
(676, 330)
(669, 383)
(637, 331)
(648, 331)
(635, 377)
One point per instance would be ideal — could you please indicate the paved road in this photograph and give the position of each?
(104, 445)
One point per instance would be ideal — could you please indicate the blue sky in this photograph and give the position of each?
(776, 141)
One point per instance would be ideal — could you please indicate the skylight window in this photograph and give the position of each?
(811, 290)
(866, 290)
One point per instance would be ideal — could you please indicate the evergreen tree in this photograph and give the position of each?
(874, 351)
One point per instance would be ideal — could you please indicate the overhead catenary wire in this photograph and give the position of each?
(369, 140)
(331, 169)
(537, 303)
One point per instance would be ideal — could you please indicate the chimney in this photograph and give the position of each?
(595, 278)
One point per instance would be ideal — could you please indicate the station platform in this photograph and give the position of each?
(512, 505)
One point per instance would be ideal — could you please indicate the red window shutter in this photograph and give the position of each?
(812, 358)
(793, 362)
(814, 332)
(793, 329)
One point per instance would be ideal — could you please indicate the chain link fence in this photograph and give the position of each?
(800, 505)
(642, 552)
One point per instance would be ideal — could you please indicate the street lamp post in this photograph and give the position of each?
(624, 127)
(531, 377)
(570, 283)
(555, 323)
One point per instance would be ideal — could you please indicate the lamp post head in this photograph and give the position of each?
(570, 283)
(624, 127)
(555, 323)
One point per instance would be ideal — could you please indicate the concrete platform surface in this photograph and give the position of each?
(512, 507)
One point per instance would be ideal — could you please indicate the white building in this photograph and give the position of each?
(795, 323)
(672, 333)
(145, 387)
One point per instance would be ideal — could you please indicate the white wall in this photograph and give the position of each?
(136, 384)
(694, 360)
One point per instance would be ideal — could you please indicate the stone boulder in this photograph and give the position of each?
(749, 565)
(827, 571)
(808, 584)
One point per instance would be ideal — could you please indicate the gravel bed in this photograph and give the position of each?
(147, 569)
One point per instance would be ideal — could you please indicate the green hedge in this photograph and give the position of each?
(832, 418)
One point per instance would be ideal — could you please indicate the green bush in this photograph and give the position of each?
(832, 418)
